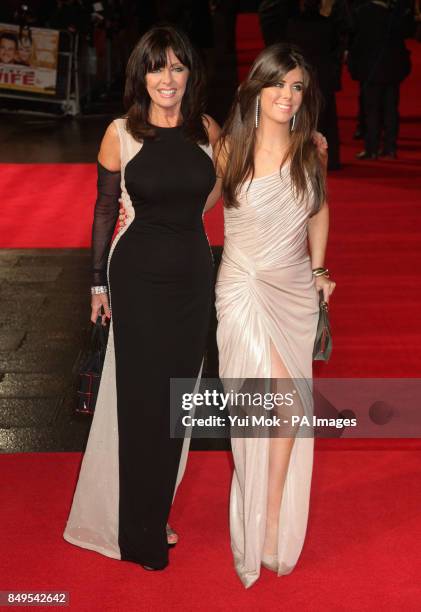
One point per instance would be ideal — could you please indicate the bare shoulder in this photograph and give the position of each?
(109, 152)
(213, 129)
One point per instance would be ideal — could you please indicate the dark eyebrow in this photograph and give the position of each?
(294, 83)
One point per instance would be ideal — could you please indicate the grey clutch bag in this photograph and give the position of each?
(323, 342)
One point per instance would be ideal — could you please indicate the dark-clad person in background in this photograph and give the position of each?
(355, 5)
(70, 15)
(191, 16)
(417, 19)
(379, 60)
(273, 17)
(320, 32)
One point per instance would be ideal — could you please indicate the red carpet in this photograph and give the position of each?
(56, 201)
(361, 552)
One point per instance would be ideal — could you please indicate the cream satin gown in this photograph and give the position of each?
(265, 294)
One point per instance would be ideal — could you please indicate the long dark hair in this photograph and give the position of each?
(150, 53)
(238, 138)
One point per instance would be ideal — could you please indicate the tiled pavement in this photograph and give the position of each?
(44, 318)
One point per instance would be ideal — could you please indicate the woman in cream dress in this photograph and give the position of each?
(276, 227)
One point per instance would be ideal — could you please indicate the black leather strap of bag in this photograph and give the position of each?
(99, 334)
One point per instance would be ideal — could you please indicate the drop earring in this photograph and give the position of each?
(293, 123)
(256, 123)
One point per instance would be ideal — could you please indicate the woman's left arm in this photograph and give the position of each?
(318, 230)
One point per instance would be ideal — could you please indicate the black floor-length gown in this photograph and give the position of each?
(160, 276)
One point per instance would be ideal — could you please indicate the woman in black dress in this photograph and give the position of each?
(159, 276)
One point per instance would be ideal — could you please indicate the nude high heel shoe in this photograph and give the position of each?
(270, 562)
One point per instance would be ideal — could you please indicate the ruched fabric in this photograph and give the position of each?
(265, 295)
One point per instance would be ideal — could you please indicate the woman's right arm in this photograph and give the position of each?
(214, 133)
(105, 217)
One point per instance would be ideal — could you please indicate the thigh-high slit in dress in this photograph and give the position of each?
(266, 298)
(160, 275)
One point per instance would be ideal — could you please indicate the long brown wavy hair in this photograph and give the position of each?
(150, 53)
(238, 139)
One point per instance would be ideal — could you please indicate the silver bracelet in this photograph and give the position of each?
(99, 289)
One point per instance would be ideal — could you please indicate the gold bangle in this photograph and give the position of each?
(320, 272)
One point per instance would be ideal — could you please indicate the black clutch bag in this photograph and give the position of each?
(323, 342)
(91, 369)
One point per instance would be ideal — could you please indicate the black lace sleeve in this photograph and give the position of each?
(105, 218)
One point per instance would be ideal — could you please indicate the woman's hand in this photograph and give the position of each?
(122, 216)
(323, 283)
(321, 145)
(99, 301)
